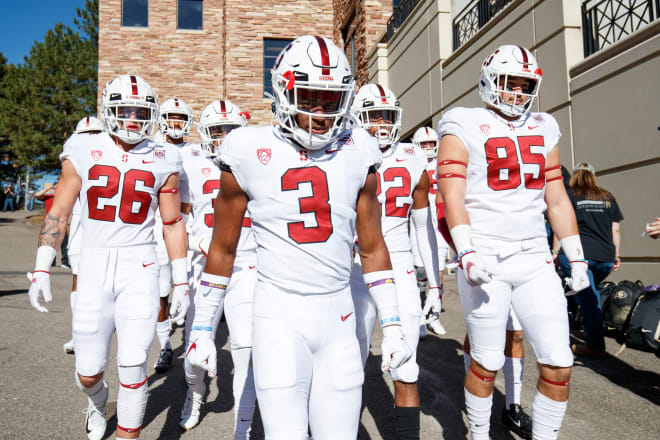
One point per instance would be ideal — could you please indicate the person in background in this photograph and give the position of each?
(9, 198)
(598, 216)
(29, 199)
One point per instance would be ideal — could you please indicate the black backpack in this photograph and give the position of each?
(644, 323)
(621, 300)
(605, 288)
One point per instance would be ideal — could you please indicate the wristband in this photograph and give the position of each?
(45, 258)
(462, 237)
(572, 247)
(209, 297)
(383, 291)
(180, 271)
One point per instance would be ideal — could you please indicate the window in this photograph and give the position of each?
(135, 13)
(395, 4)
(189, 14)
(272, 49)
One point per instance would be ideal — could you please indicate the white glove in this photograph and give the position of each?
(40, 282)
(201, 352)
(434, 299)
(475, 269)
(180, 302)
(579, 279)
(394, 347)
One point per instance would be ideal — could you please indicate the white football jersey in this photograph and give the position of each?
(505, 181)
(402, 168)
(302, 203)
(203, 182)
(119, 192)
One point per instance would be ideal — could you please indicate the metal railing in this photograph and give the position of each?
(473, 17)
(399, 16)
(604, 22)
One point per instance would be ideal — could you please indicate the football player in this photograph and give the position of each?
(498, 171)
(426, 138)
(174, 122)
(121, 178)
(403, 195)
(216, 121)
(307, 183)
(89, 125)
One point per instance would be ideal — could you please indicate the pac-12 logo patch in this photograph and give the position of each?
(485, 129)
(264, 154)
(97, 154)
(206, 172)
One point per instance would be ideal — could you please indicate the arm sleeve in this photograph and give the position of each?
(427, 244)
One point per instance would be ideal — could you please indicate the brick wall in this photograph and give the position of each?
(366, 20)
(224, 60)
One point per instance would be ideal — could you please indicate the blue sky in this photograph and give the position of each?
(24, 21)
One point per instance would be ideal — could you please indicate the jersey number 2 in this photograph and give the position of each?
(317, 203)
(509, 162)
(129, 194)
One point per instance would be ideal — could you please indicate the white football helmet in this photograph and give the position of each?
(174, 106)
(377, 106)
(509, 61)
(89, 123)
(218, 119)
(129, 108)
(312, 77)
(423, 135)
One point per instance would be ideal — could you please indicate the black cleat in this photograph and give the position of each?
(164, 360)
(517, 421)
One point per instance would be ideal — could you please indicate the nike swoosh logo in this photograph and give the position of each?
(401, 160)
(193, 345)
(532, 127)
(251, 267)
(148, 161)
(147, 265)
(344, 318)
(409, 271)
(332, 151)
(548, 261)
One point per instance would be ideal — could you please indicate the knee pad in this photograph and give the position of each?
(131, 365)
(489, 359)
(560, 356)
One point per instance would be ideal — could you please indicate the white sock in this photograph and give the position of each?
(467, 361)
(163, 332)
(513, 374)
(245, 395)
(478, 412)
(547, 415)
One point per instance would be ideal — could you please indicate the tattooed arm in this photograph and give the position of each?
(54, 225)
(52, 234)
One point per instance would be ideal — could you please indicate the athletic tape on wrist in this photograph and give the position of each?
(381, 286)
(202, 328)
(462, 237)
(45, 258)
(180, 271)
(572, 247)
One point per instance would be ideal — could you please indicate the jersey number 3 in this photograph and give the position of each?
(317, 203)
(129, 195)
(497, 163)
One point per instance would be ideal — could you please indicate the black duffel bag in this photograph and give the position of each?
(643, 329)
(621, 300)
